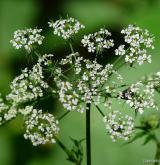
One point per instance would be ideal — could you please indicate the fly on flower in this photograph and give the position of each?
(119, 126)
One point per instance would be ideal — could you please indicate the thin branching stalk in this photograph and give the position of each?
(63, 147)
(67, 151)
(88, 134)
(99, 110)
(71, 47)
(117, 60)
(63, 115)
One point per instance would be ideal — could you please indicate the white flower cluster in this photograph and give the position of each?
(139, 41)
(66, 28)
(139, 96)
(26, 110)
(154, 80)
(3, 106)
(10, 114)
(27, 38)
(118, 126)
(74, 60)
(69, 97)
(98, 41)
(41, 127)
(6, 112)
(120, 51)
(30, 84)
(91, 82)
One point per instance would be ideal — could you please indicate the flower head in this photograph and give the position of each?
(27, 38)
(41, 127)
(91, 82)
(3, 106)
(138, 42)
(118, 126)
(66, 28)
(98, 41)
(153, 79)
(30, 84)
(139, 96)
(6, 112)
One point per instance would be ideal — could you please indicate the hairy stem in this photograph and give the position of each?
(157, 156)
(88, 134)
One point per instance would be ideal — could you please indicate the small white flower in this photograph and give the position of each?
(120, 51)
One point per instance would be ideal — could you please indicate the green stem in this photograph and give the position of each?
(120, 66)
(71, 47)
(63, 147)
(37, 54)
(117, 60)
(41, 99)
(64, 76)
(67, 151)
(88, 134)
(100, 111)
(157, 156)
(61, 117)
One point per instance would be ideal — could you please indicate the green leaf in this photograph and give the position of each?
(148, 138)
(137, 136)
(76, 153)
